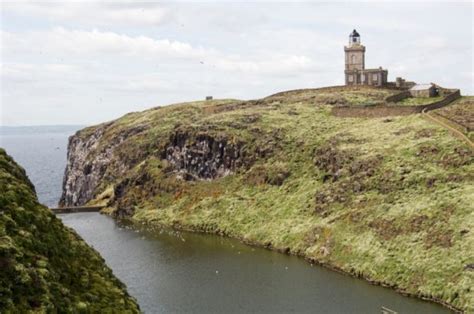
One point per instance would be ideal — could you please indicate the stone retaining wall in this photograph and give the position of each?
(385, 110)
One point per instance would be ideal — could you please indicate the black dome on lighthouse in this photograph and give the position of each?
(354, 34)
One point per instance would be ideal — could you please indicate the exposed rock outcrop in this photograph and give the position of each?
(188, 154)
(82, 176)
(203, 156)
(88, 159)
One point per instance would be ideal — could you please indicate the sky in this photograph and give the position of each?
(87, 62)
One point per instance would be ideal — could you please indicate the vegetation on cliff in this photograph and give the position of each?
(387, 199)
(45, 266)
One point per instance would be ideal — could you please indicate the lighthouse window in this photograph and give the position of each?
(352, 59)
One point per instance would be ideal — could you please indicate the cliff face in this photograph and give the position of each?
(387, 199)
(204, 158)
(88, 161)
(44, 266)
(81, 177)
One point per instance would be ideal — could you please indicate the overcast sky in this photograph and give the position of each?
(87, 62)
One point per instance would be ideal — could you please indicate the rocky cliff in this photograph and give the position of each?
(45, 266)
(386, 199)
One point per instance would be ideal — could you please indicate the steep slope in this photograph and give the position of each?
(388, 199)
(45, 266)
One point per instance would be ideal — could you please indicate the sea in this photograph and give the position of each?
(42, 152)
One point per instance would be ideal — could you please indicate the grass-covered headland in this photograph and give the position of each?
(46, 267)
(385, 199)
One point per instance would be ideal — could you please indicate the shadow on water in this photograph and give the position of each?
(169, 271)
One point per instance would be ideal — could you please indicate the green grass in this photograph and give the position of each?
(45, 266)
(387, 199)
(418, 101)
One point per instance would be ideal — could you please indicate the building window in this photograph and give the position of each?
(352, 59)
(350, 78)
(375, 77)
(363, 77)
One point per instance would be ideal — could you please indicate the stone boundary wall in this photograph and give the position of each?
(446, 91)
(398, 97)
(451, 95)
(239, 104)
(377, 111)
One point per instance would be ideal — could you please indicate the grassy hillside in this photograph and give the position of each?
(388, 199)
(45, 266)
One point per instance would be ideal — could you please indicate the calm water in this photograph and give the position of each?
(42, 152)
(184, 272)
(170, 272)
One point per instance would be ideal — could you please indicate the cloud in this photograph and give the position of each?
(272, 64)
(64, 42)
(60, 43)
(93, 12)
(24, 71)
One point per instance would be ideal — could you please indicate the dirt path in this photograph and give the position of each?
(456, 132)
